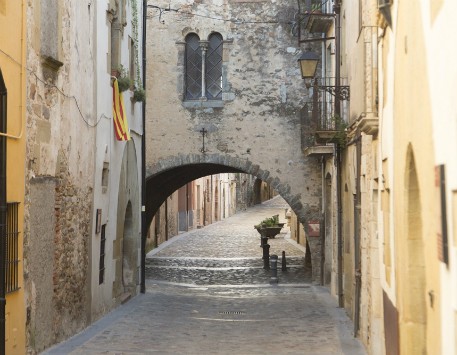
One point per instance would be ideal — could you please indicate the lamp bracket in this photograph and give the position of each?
(341, 92)
(319, 39)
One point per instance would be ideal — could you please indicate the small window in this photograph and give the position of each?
(105, 177)
(101, 268)
(12, 250)
(203, 67)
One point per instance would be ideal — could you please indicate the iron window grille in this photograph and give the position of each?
(193, 67)
(101, 268)
(203, 67)
(12, 248)
(214, 67)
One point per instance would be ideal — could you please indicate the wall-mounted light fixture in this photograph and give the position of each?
(308, 64)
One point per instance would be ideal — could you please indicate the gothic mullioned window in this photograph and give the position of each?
(214, 67)
(203, 67)
(193, 67)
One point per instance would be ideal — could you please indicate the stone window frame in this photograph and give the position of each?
(116, 16)
(203, 102)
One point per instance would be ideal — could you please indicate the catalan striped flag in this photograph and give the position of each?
(121, 128)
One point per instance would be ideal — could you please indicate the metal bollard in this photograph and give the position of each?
(283, 261)
(274, 269)
(266, 256)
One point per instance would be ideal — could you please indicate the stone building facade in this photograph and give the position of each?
(204, 201)
(59, 171)
(342, 112)
(248, 120)
(83, 187)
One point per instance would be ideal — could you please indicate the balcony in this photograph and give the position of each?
(315, 17)
(321, 127)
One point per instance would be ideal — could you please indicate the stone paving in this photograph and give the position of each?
(228, 253)
(207, 293)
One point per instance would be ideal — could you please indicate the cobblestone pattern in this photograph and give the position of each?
(227, 305)
(183, 320)
(229, 253)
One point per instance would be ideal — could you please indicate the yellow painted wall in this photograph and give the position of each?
(417, 264)
(12, 64)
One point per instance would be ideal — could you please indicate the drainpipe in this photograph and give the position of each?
(3, 209)
(144, 227)
(323, 221)
(357, 232)
(337, 8)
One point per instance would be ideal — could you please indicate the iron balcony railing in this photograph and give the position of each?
(318, 114)
(315, 17)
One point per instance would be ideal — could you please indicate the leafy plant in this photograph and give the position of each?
(139, 95)
(340, 126)
(123, 79)
(268, 222)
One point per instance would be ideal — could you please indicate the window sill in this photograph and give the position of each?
(203, 104)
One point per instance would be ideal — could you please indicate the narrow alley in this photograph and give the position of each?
(207, 293)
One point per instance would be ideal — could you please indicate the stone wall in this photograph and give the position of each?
(257, 122)
(59, 171)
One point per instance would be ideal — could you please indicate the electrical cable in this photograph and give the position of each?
(87, 121)
(162, 10)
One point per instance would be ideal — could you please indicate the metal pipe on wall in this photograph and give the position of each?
(144, 228)
(337, 8)
(357, 232)
(3, 210)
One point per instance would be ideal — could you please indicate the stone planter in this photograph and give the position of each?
(270, 232)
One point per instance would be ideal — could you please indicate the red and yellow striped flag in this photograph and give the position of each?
(121, 128)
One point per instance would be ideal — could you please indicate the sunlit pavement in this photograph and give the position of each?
(207, 293)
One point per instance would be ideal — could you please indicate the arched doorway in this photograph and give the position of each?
(411, 285)
(126, 246)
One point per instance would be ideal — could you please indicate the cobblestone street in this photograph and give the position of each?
(207, 293)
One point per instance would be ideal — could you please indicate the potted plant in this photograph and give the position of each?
(123, 79)
(139, 94)
(269, 227)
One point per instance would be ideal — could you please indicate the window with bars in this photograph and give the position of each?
(12, 248)
(203, 67)
(101, 267)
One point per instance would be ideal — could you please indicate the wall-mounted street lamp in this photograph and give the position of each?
(308, 64)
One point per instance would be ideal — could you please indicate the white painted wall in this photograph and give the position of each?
(108, 149)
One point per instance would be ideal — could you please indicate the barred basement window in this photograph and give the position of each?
(12, 251)
(101, 268)
(203, 67)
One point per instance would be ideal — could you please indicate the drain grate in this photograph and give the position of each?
(232, 312)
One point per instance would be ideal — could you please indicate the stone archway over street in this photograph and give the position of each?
(167, 175)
